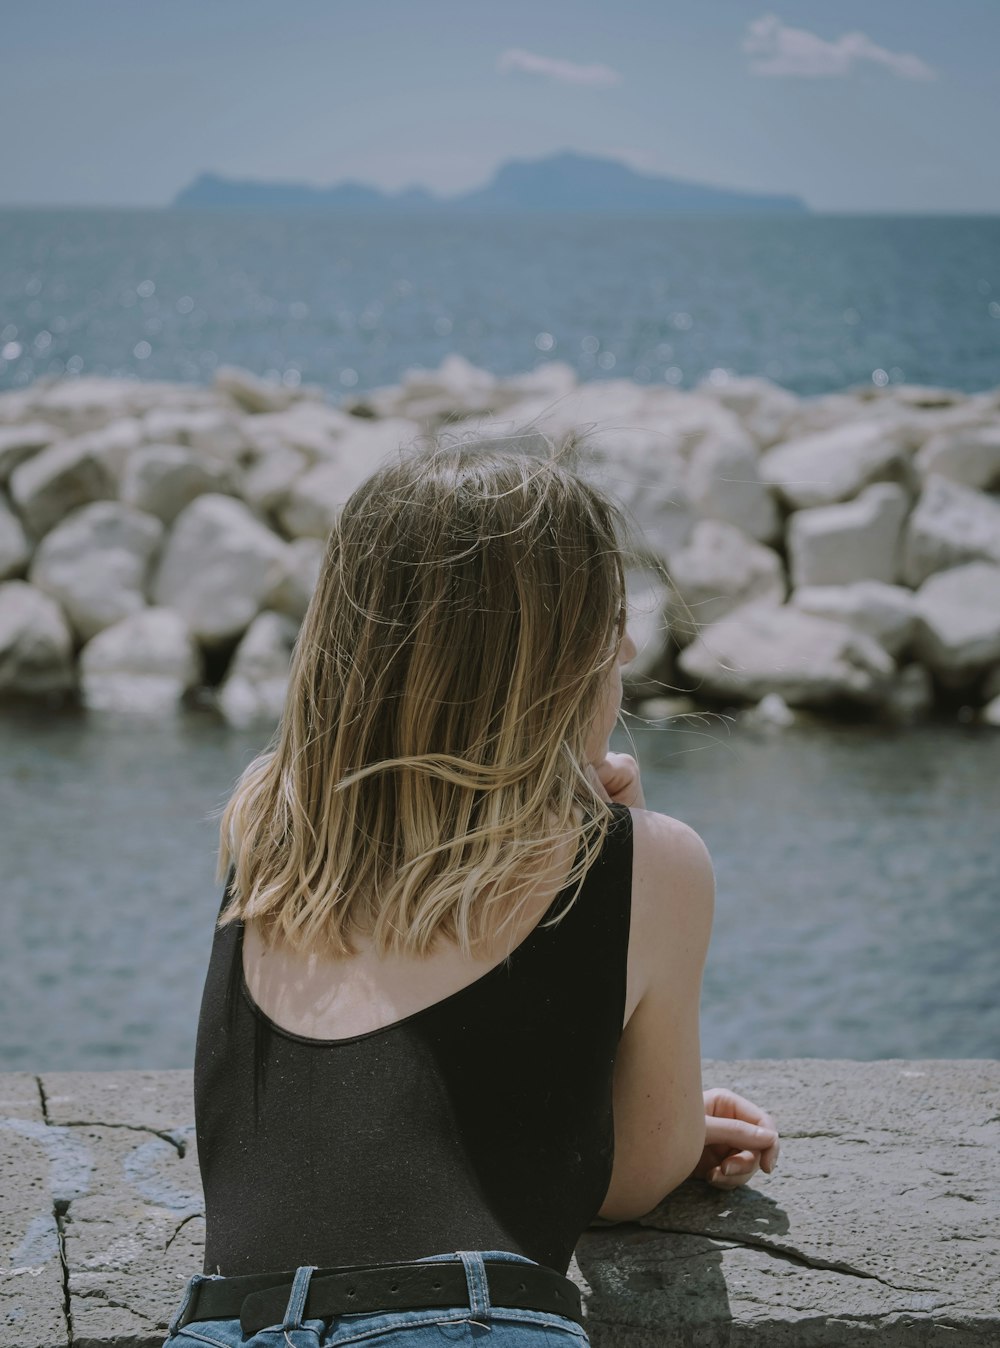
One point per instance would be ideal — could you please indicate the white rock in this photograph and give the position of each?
(834, 465)
(163, 479)
(765, 408)
(990, 713)
(143, 664)
(292, 593)
(958, 621)
(89, 403)
(827, 412)
(15, 550)
(666, 708)
(96, 564)
(723, 483)
(550, 380)
(840, 544)
(257, 681)
(991, 684)
(218, 564)
(885, 612)
(210, 431)
(36, 648)
(720, 570)
(18, 443)
(647, 593)
(644, 470)
(267, 480)
(772, 711)
(60, 478)
(950, 524)
(16, 406)
(455, 390)
(760, 649)
(254, 394)
(314, 429)
(970, 456)
(314, 499)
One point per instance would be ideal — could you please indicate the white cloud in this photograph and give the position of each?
(780, 50)
(554, 68)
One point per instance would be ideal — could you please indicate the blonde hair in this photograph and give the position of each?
(444, 681)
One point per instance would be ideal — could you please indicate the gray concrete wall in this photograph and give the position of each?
(880, 1223)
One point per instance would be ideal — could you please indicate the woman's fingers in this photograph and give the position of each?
(727, 1104)
(734, 1170)
(737, 1134)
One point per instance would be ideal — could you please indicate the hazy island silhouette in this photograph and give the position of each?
(566, 182)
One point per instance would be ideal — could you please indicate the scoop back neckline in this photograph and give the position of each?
(313, 1041)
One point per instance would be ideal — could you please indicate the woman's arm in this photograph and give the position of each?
(666, 1128)
(658, 1101)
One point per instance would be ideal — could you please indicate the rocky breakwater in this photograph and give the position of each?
(159, 542)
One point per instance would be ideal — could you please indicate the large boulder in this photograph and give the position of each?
(811, 662)
(835, 464)
(314, 429)
(885, 612)
(723, 483)
(645, 470)
(958, 622)
(36, 646)
(764, 408)
(648, 594)
(96, 564)
(15, 550)
(61, 478)
(143, 664)
(163, 479)
(267, 479)
(950, 525)
(18, 443)
(719, 570)
(218, 564)
(457, 389)
(292, 593)
(211, 431)
(93, 401)
(253, 394)
(315, 498)
(257, 680)
(858, 540)
(969, 455)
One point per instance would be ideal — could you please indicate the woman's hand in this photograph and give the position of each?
(616, 779)
(739, 1140)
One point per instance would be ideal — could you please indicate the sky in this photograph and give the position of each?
(854, 106)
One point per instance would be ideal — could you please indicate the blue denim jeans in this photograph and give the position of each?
(477, 1324)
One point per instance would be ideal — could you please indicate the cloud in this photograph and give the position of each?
(554, 68)
(781, 50)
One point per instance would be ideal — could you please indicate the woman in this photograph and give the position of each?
(451, 1014)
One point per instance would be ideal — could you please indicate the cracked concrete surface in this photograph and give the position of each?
(879, 1225)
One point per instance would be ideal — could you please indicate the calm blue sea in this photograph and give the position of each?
(815, 303)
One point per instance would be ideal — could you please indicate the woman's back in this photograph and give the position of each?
(483, 1119)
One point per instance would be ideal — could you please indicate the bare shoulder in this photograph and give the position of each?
(670, 860)
(673, 897)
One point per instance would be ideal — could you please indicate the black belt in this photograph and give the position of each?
(260, 1299)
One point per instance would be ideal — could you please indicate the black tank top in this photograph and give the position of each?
(483, 1121)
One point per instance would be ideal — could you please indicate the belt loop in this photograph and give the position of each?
(180, 1315)
(297, 1297)
(475, 1282)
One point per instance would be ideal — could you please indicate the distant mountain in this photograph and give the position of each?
(560, 183)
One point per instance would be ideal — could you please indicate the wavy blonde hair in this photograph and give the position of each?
(444, 681)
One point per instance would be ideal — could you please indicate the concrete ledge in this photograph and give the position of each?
(879, 1225)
